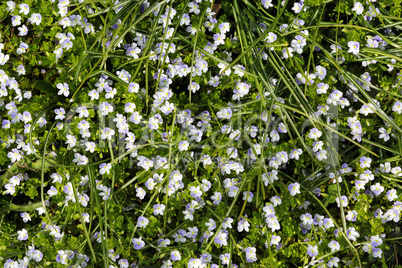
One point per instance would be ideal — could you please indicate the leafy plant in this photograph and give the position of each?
(200, 133)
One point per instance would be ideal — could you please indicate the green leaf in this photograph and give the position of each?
(332, 194)
(31, 192)
(45, 87)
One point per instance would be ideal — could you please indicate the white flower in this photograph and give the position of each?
(133, 87)
(225, 258)
(352, 234)
(105, 192)
(129, 107)
(63, 89)
(133, 51)
(167, 264)
(80, 159)
(358, 7)
(22, 235)
(287, 52)
(25, 217)
(107, 133)
(344, 201)
(52, 191)
(384, 135)
(158, 209)
(167, 108)
(222, 67)
(105, 108)
(297, 7)
(219, 39)
(20, 70)
(60, 113)
(83, 199)
(140, 193)
(110, 92)
(188, 215)
(71, 140)
(83, 112)
(11, 6)
(14, 180)
(142, 222)
(23, 30)
(391, 195)
(14, 155)
(314, 134)
(58, 52)
(35, 18)
(89, 28)
(4, 58)
(193, 8)
(295, 153)
(10, 188)
(90, 146)
(365, 162)
(56, 178)
(216, 197)
(24, 9)
(243, 225)
(65, 22)
(322, 155)
(396, 108)
(93, 94)
(225, 113)
(353, 47)
(211, 224)
(153, 123)
(16, 20)
(104, 168)
(135, 118)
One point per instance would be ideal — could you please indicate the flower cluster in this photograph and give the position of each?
(181, 134)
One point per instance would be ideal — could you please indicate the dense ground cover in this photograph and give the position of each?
(200, 134)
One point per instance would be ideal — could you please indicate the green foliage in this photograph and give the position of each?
(89, 213)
